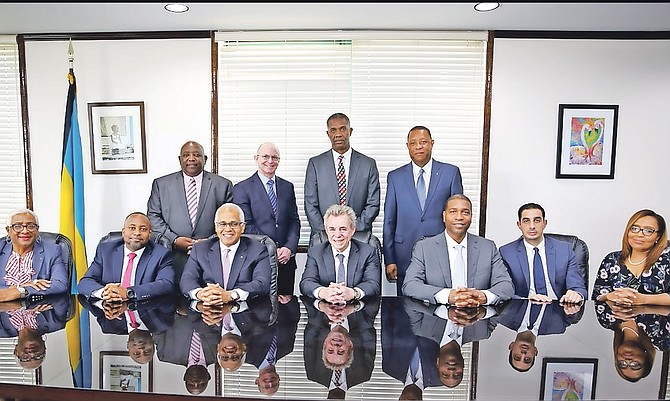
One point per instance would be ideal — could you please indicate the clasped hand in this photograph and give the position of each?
(337, 293)
(467, 297)
(466, 316)
(213, 314)
(214, 294)
(336, 313)
(114, 292)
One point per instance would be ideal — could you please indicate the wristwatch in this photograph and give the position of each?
(22, 291)
(131, 294)
(234, 295)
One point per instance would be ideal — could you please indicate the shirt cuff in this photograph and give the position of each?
(442, 296)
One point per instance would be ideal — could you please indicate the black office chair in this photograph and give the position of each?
(581, 253)
(274, 266)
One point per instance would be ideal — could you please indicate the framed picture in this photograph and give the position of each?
(118, 142)
(586, 141)
(119, 372)
(568, 379)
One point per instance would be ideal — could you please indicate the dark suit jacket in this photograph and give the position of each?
(562, 267)
(47, 263)
(362, 189)
(250, 271)
(47, 322)
(154, 275)
(284, 328)
(168, 212)
(157, 314)
(554, 320)
(399, 344)
(252, 197)
(363, 269)
(173, 345)
(429, 270)
(362, 333)
(404, 221)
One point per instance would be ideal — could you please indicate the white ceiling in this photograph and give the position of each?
(126, 17)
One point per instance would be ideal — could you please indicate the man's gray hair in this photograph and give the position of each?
(11, 215)
(341, 210)
(229, 206)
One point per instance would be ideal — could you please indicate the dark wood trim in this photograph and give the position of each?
(474, 369)
(45, 37)
(486, 140)
(605, 35)
(662, 391)
(215, 105)
(25, 121)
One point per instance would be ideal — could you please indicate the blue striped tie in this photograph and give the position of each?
(421, 189)
(273, 197)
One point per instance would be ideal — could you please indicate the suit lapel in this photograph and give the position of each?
(550, 253)
(204, 193)
(215, 262)
(179, 187)
(445, 267)
(117, 254)
(38, 258)
(523, 262)
(354, 166)
(435, 176)
(352, 264)
(329, 263)
(408, 178)
(143, 263)
(473, 246)
(237, 264)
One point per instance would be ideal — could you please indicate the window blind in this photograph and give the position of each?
(284, 90)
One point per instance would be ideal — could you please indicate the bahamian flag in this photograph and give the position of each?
(72, 226)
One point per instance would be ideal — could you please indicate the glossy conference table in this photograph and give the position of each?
(575, 354)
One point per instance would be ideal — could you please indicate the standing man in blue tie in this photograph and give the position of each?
(542, 269)
(341, 176)
(270, 208)
(181, 206)
(415, 198)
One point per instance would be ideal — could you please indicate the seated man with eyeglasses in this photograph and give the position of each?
(28, 266)
(229, 267)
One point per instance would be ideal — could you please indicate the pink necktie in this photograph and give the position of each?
(125, 283)
(133, 319)
(226, 267)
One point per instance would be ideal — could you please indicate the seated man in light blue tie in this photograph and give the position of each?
(344, 269)
(542, 269)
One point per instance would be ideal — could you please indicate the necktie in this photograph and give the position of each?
(226, 267)
(192, 201)
(341, 181)
(125, 282)
(23, 318)
(273, 197)
(421, 189)
(459, 264)
(538, 274)
(534, 313)
(338, 378)
(228, 322)
(272, 351)
(133, 319)
(341, 278)
(195, 349)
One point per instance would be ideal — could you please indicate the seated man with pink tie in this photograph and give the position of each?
(133, 268)
(229, 267)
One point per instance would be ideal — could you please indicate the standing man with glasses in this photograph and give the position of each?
(542, 268)
(415, 198)
(270, 208)
(229, 267)
(341, 176)
(181, 206)
(28, 266)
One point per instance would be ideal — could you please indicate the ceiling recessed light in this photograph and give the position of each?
(176, 8)
(483, 7)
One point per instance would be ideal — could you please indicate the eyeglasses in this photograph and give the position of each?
(268, 157)
(31, 357)
(645, 231)
(231, 224)
(19, 227)
(227, 357)
(633, 365)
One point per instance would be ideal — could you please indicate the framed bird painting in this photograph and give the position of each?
(586, 145)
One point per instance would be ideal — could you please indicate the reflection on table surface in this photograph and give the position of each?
(389, 348)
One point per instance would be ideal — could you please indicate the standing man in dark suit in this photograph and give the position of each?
(415, 198)
(227, 268)
(270, 208)
(343, 269)
(558, 275)
(341, 176)
(472, 273)
(181, 206)
(132, 268)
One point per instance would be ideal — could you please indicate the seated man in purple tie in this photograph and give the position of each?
(229, 267)
(542, 269)
(132, 268)
(343, 269)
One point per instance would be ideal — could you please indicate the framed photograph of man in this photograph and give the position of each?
(118, 143)
(119, 372)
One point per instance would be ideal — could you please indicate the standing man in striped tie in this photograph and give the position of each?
(341, 176)
(181, 206)
(270, 208)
